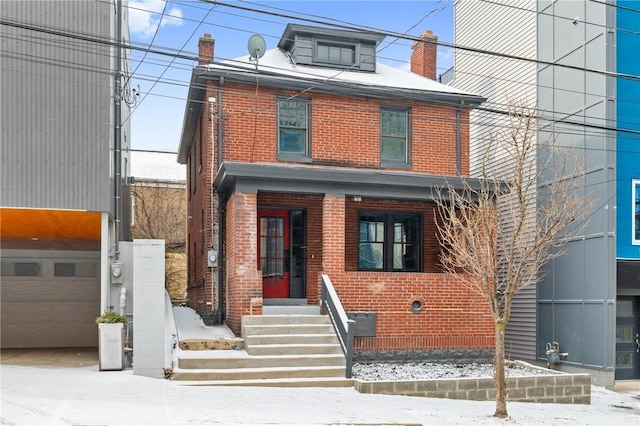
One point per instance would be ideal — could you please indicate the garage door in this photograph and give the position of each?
(49, 300)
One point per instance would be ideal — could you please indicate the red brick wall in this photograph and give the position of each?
(205, 50)
(344, 131)
(199, 275)
(202, 285)
(452, 317)
(243, 282)
(423, 58)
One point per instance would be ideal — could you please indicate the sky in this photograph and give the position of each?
(162, 81)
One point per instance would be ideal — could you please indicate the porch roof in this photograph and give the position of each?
(294, 178)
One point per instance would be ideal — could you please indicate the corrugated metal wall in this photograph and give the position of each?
(576, 301)
(507, 28)
(56, 105)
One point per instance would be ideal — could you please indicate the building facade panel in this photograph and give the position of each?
(53, 106)
(504, 81)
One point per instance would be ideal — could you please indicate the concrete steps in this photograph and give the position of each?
(279, 350)
(316, 382)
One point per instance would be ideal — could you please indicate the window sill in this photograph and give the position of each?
(395, 164)
(294, 158)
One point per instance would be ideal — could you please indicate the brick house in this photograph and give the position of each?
(316, 159)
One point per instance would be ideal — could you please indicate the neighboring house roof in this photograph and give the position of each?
(157, 166)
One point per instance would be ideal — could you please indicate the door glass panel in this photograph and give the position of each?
(272, 247)
(624, 309)
(298, 246)
(624, 334)
(624, 359)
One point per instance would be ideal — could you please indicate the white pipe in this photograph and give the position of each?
(123, 301)
(105, 271)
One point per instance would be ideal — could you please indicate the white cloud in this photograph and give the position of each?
(144, 17)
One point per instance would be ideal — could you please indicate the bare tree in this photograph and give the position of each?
(160, 213)
(500, 229)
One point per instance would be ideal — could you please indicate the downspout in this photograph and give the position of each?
(458, 142)
(117, 137)
(212, 118)
(221, 226)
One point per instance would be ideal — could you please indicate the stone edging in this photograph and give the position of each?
(559, 388)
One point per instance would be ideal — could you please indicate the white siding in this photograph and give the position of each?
(508, 28)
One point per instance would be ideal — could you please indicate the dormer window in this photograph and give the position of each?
(335, 53)
(331, 48)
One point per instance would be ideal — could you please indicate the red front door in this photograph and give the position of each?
(273, 252)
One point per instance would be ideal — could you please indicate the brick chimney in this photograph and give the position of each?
(205, 49)
(423, 58)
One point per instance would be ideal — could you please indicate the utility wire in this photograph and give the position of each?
(155, 34)
(439, 43)
(481, 108)
(165, 70)
(146, 50)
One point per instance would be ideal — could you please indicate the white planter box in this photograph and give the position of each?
(111, 346)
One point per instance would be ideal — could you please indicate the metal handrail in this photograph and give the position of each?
(343, 326)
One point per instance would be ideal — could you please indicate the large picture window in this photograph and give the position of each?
(635, 207)
(395, 132)
(390, 242)
(293, 128)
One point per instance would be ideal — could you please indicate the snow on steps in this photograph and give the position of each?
(280, 350)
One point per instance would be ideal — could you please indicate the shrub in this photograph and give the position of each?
(111, 317)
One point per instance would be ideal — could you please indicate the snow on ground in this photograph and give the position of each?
(83, 395)
(430, 371)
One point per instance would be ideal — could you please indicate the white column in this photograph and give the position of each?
(148, 308)
(105, 262)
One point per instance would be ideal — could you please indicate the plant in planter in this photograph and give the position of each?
(111, 340)
(111, 317)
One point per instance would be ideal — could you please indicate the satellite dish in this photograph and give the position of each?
(256, 46)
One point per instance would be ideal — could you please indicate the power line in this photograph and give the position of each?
(155, 34)
(439, 43)
(574, 20)
(165, 70)
(146, 50)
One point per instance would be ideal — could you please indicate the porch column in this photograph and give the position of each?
(243, 281)
(333, 211)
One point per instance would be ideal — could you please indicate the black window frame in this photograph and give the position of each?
(304, 157)
(353, 46)
(406, 163)
(389, 219)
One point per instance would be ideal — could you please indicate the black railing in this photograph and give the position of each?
(344, 326)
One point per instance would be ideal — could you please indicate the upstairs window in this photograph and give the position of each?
(293, 129)
(635, 203)
(395, 136)
(390, 242)
(333, 53)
